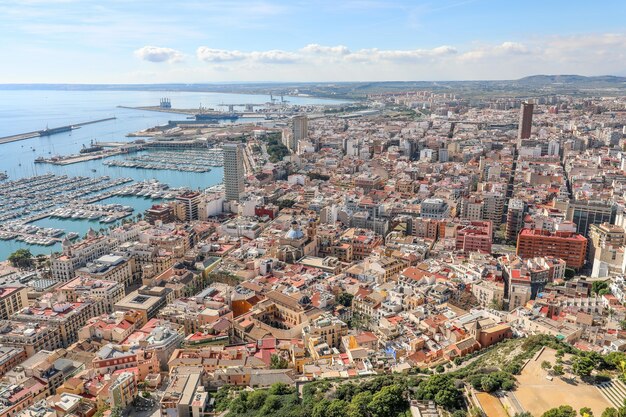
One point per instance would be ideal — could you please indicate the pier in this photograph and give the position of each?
(50, 131)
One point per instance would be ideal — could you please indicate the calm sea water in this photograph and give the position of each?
(27, 110)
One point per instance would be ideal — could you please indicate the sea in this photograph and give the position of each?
(30, 110)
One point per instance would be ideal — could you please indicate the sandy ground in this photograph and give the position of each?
(491, 405)
(537, 394)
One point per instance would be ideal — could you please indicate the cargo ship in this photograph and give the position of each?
(47, 131)
(217, 116)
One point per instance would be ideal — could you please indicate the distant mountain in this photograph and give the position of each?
(570, 79)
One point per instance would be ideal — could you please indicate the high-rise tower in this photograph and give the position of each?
(300, 127)
(233, 171)
(525, 120)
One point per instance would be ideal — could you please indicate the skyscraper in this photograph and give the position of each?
(300, 128)
(525, 120)
(233, 170)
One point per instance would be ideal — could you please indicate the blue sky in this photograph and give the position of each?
(131, 41)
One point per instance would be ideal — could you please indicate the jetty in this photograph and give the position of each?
(50, 131)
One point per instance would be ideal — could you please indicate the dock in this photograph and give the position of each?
(76, 158)
(50, 131)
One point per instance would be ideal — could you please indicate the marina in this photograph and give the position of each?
(71, 198)
(190, 160)
(108, 213)
(32, 197)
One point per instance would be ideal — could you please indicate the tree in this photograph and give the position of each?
(622, 324)
(440, 369)
(583, 366)
(21, 258)
(345, 392)
(345, 299)
(256, 399)
(557, 370)
(272, 403)
(280, 388)
(319, 409)
(459, 413)
(441, 389)
(585, 412)
(609, 412)
(545, 365)
(358, 405)
(562, 411)
(388, 402)
(336, 408)
(239, 404)
(496, 304)
(278, 362)
(599, 285)
(489, 384)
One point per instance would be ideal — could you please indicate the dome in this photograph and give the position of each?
(304, 300)
(294, 234)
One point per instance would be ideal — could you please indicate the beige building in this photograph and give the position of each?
(110, 268)
(81, 288)
(12, 300)
(489, 293)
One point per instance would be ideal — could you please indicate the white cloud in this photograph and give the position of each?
(207, 54)
(275, 56)
(504, 49)
(319, 54)
(159, 54)
(315, 48)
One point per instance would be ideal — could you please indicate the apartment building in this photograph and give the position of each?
(67, 317)
(32, 337)
(76, 255)
(83, 287)
(569, 246)
(110, 268)
(12, 300)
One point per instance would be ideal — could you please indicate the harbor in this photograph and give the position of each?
(32, 197)
(22, 111)
(107, 213)
(188, 160)
(98, 153)
(50, 196)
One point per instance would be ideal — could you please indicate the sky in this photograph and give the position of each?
(172, 41)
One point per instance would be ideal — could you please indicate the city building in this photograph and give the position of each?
(12, 300)
(434, 208)
(185, 396)
(569, 246)
(525, 120)
(234, 171)
(84, 288)
(300, 128)
(187, 206)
